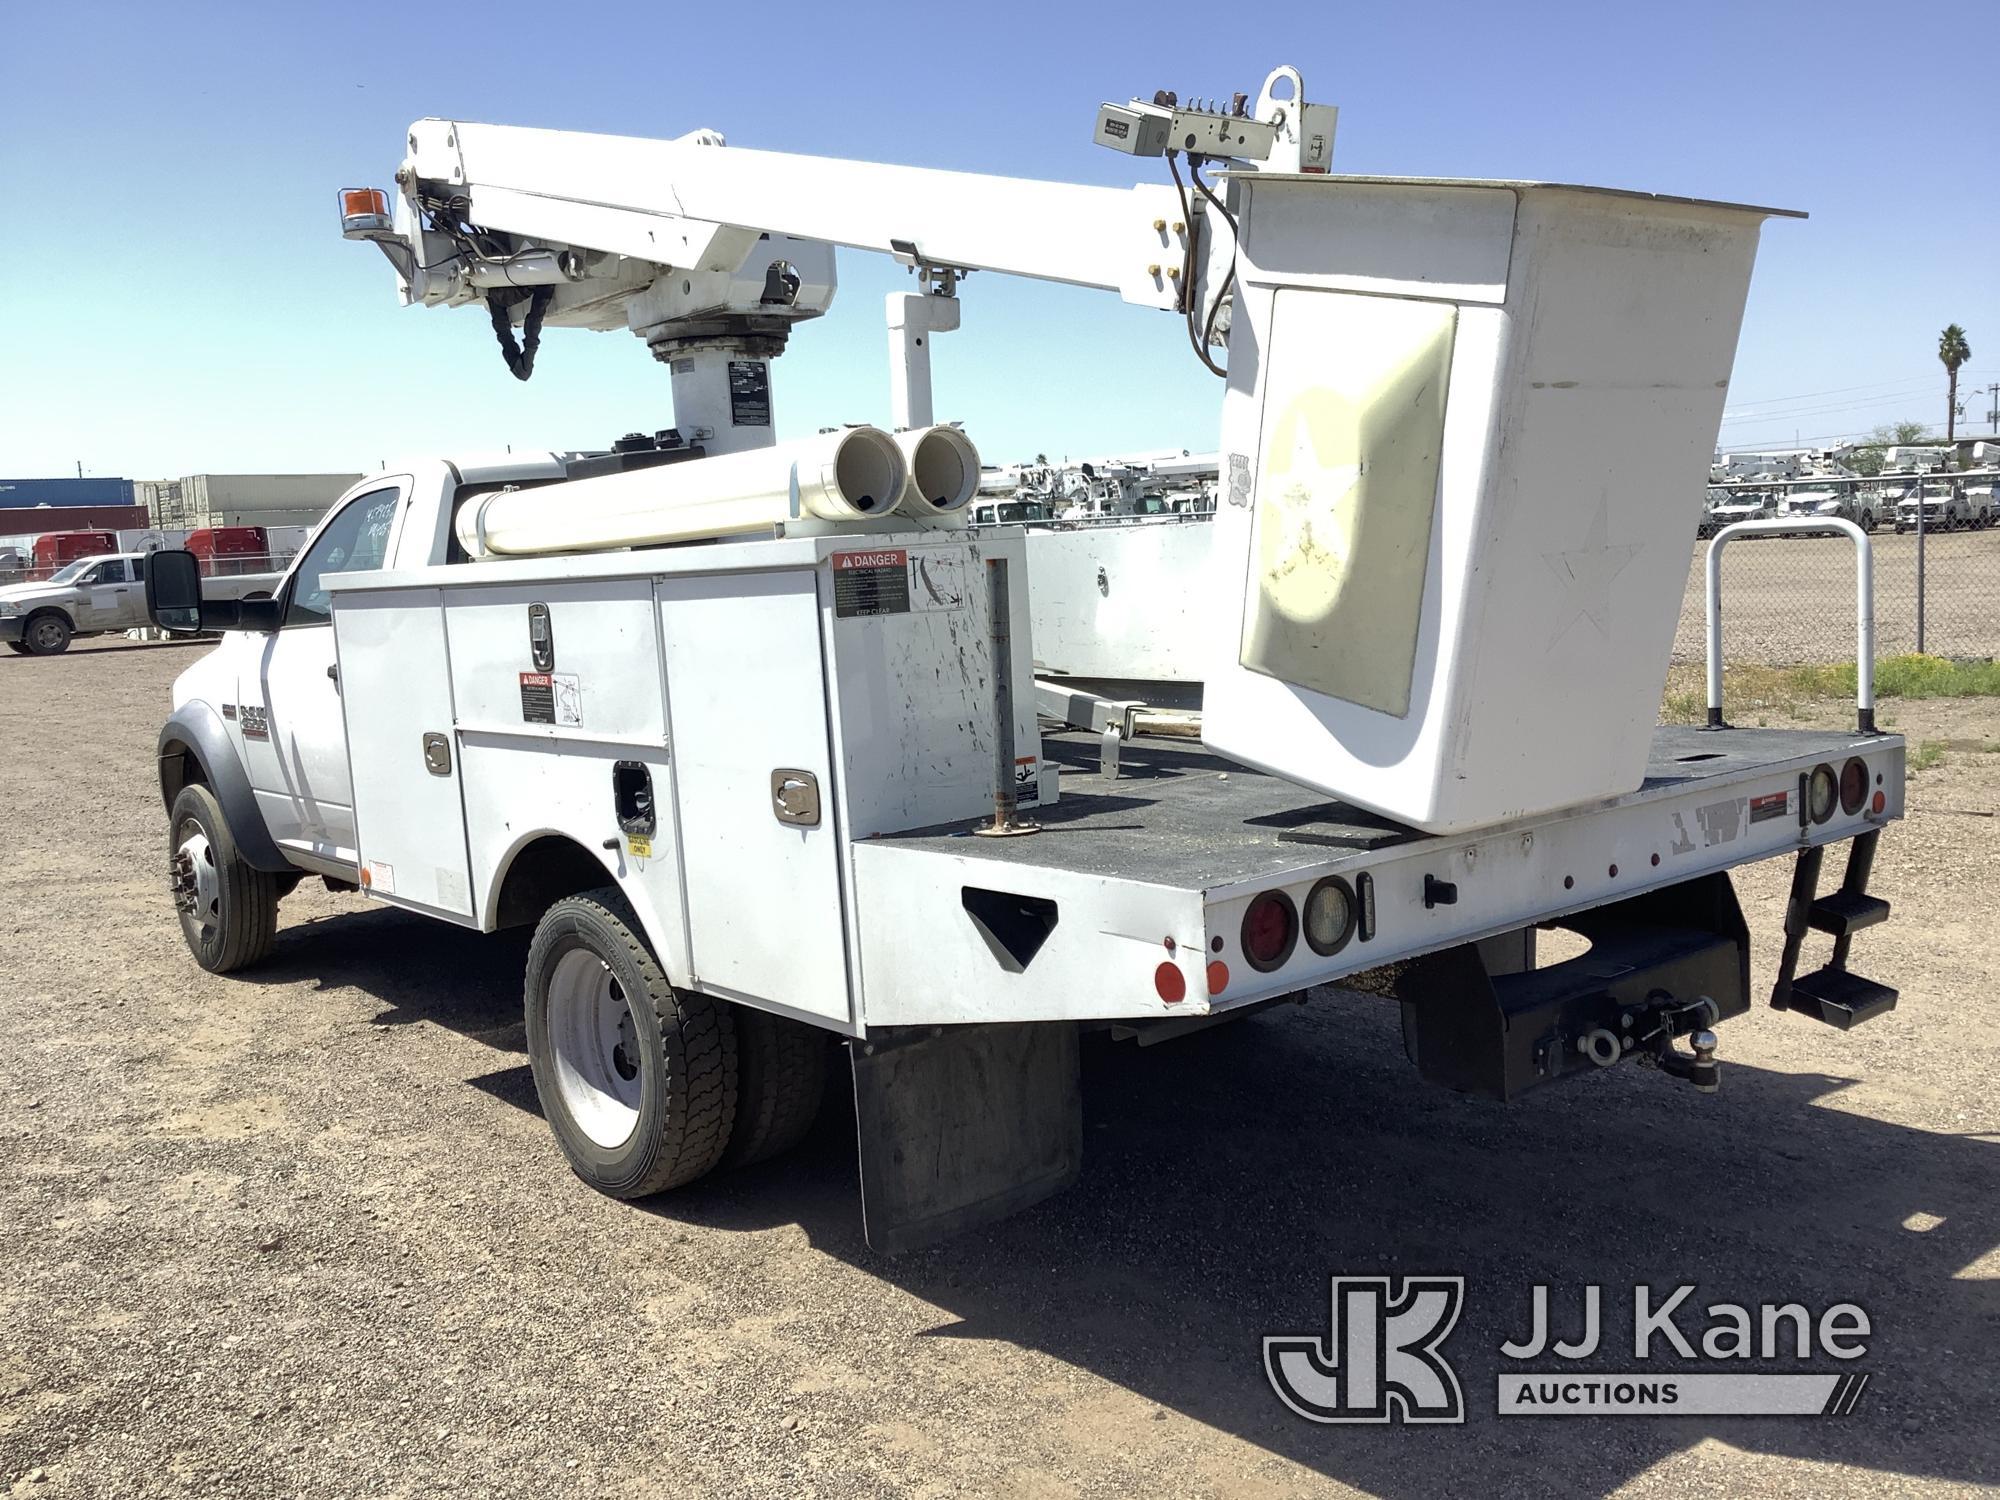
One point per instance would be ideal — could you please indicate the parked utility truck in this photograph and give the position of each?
(746, 732)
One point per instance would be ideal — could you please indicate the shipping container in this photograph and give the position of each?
(242, 499)
(16, 493)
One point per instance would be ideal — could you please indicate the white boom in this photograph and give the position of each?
(711, 252)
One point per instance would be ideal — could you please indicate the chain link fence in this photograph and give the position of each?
(1789, 600)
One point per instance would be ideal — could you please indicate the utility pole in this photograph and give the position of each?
(1993, 405)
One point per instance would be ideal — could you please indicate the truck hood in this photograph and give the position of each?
(25, 593)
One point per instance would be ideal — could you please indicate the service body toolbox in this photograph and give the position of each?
(725, 723)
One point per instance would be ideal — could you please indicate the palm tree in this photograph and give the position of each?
(1953, 351)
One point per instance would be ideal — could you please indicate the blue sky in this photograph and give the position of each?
(179, 299)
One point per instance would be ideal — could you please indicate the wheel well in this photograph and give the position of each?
(52, 609)
(543, 872)
(179, 767)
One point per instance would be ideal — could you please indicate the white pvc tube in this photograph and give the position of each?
(944, 471)
(851, 474)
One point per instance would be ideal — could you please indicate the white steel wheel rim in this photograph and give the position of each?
(595, 1044)
(197, 885)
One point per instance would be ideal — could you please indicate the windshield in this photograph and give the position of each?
(74, 571)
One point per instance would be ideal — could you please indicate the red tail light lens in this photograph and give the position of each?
(1853, 785)
(1270, 929)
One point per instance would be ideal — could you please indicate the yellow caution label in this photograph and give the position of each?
(640, 845)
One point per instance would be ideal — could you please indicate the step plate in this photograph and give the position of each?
(1840, 998)
(1844, 913)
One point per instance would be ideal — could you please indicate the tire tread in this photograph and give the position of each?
(697, 1047)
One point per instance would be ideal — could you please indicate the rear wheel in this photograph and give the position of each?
(782, 1067)
(638, 1080)
(47, 634)
(228, 908)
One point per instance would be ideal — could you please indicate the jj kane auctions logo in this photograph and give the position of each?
(1382, 1360)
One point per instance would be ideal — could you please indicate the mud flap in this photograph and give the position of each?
(964, 1127)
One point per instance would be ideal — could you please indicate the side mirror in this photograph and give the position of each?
(174, 602)
(173, 592)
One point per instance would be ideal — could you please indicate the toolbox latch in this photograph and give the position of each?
(795, 797)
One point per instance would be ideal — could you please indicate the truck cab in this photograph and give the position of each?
(261, 713)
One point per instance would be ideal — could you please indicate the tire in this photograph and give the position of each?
(1868, 520)
(47, 634)
(637, 1080)
(228, 908)
(781, 1071)
(17, 648)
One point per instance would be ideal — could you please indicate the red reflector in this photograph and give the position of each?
(1880, 802)
(1171, 983)
(1218, 977)
(1270, 927)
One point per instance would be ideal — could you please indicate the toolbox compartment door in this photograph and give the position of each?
(747, 708)
(403, 751)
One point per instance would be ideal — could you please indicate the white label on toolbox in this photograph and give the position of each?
(937, 579)
(379, 877)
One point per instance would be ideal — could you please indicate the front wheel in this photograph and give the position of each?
(1868, 520)
(637, 1079)
(228, 908)
(17, 648)
(47, 634)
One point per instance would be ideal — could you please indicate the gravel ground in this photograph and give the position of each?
(302, 1232)
(1787, 600)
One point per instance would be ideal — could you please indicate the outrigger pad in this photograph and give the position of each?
(964, 1128)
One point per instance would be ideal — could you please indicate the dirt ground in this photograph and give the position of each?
(303, 1233)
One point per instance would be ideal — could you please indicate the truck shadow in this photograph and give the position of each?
(1228, 1176)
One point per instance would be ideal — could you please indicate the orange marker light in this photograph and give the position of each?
(1171, 983)
(364, 213)
(1880, 802)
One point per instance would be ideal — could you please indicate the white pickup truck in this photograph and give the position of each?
(732, 786)
(95, 596)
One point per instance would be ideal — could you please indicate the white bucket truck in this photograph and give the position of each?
(745, 732)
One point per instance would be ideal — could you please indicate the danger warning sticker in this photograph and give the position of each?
(1772, 805)
(871, 583)
(551, 698)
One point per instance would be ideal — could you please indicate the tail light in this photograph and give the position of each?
(1270, 930)
(1329, 916)
(1822, 792)
(1853, 785)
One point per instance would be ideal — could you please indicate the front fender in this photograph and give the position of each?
(195, 731)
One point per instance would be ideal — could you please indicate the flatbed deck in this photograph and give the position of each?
(1180, 815)
(1160, 864)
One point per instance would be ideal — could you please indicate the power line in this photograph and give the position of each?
(1839, 390)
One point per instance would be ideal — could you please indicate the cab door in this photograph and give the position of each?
(107, 592)
(294, 738)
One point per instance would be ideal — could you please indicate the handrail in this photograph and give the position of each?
(1864, 608)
